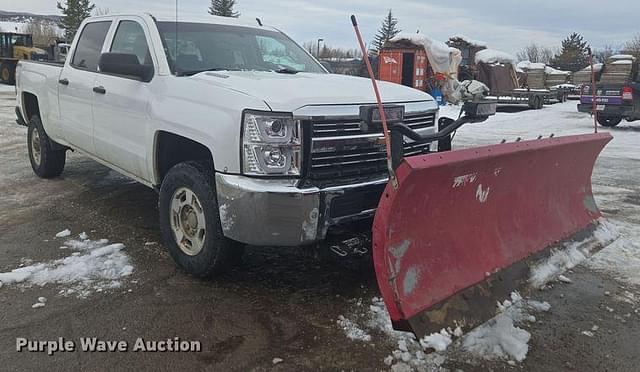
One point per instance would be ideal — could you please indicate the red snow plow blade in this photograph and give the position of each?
(462, 228)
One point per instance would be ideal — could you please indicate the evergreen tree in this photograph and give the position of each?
(387, 31)
(73, 13)
(223, 8)
(573, 54)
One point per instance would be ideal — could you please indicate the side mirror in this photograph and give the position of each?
(126, 65)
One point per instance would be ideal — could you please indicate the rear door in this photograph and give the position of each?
(121, 121)
(75, 86)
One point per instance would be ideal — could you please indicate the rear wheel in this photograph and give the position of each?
(190, 221)
(609, 121)
(45, 161)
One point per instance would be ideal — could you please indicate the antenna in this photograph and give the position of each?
(259, 21)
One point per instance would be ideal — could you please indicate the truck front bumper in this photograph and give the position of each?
(279, 213)
(609, 110)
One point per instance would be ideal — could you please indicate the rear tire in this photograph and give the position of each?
(609, 121)
(45, 161)
(190, 221)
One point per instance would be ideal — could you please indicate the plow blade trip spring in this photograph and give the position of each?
(462, 228)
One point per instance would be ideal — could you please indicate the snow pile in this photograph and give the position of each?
(622, 56)
(439, 341)
(63, 234)
(490, 56)
(622, 62)
(497, 339)
(572, 254)
(93, 266)
(472, 42)
(552, 71)
(527, 65)
(500, 338)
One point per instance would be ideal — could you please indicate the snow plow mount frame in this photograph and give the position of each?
(474, 112)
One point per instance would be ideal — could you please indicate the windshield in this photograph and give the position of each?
(206, 47)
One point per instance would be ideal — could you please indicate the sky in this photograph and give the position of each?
(506, 25)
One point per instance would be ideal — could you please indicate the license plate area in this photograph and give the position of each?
(600, 107)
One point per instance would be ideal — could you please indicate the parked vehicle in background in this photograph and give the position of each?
(617, 93)
(13, 48)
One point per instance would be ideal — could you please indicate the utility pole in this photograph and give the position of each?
(318, 53)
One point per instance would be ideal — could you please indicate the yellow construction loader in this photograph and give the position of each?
(14, 47)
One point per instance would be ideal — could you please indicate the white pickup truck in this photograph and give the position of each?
(246, 137)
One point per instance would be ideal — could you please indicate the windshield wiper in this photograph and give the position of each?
(287, 70)
(193, 72)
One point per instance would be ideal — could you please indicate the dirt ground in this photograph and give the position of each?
(281, 303)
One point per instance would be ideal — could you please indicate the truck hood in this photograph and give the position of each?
(288, 92)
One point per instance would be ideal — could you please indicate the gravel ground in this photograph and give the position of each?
(281, 303)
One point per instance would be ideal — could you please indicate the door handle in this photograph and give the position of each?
(64, 81)
(100, 90)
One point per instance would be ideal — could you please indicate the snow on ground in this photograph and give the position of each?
(93, 266)
(572, 254)
(500, 338)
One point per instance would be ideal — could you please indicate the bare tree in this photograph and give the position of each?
(41, 32)
(330, 52)
(602, 55)
(536, 53)
(633, 46)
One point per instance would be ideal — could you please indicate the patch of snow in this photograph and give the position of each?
(564, 279)
(94, 266)
(623, 62)
(500, 338)
(490, 56)
(438, 341)
(352, 331)
(37, 305)
(63, 234)
(552, 71)
(572, 254)
(83, 236)
(277, 360)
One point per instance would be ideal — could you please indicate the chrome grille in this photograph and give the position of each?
(340, 149)
(346, 127)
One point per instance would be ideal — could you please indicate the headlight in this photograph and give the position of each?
(271, 144)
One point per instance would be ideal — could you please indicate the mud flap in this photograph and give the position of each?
(460, 230)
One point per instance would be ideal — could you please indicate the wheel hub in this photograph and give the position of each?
(188, 222)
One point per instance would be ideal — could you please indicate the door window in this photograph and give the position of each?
(130, 39)
(90, 45)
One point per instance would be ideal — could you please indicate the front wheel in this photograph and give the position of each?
(609, 121)
(45, 161)
(190, 221)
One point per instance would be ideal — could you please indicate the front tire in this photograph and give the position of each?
(609, 121)
(190, 221)
(45, 161)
